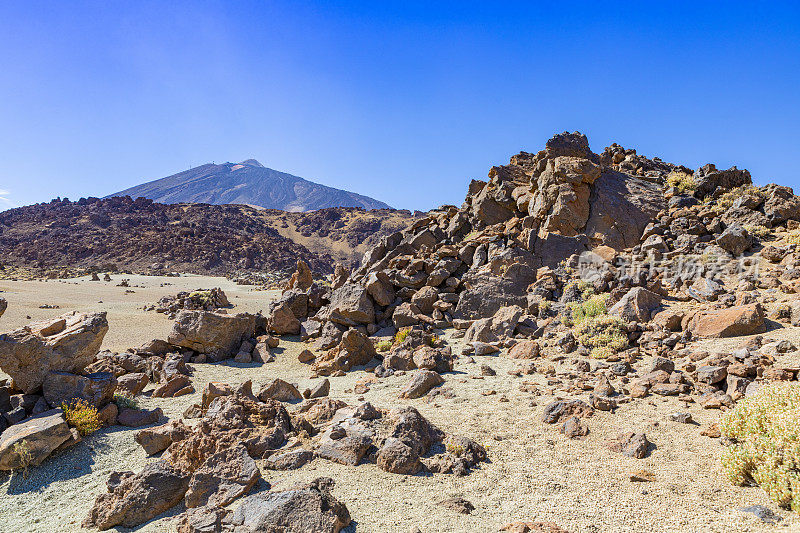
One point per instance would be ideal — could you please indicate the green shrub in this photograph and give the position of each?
(592, 307)
(401, 335)
(24, 456)
(81, 415)
(682, 181)
(125, 400)
(384, 346)
(757, 230)
(603, 334)
(765, 429)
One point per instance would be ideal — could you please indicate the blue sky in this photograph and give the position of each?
(402, 101)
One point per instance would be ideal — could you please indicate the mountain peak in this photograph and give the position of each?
(249, 183)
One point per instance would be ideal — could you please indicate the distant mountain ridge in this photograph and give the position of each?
(250, 183)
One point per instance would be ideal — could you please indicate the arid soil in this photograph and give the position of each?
(534, 473)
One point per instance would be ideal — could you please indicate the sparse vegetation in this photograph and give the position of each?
(433, 342)
(590, 308)
(602, 334)
(765, 428)
(682, 181)
(758, 231)
(124, 400)
(384, 346)
(401, 335)
(81, 415)
(793, 237)
(24, 456)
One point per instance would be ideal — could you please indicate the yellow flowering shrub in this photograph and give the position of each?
(765, 429)
(81, 415)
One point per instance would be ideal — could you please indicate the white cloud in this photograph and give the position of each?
(4, 201)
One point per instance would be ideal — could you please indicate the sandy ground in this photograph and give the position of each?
(534, 473)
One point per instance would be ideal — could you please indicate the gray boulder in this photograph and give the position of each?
(210, 333)
(300, 510)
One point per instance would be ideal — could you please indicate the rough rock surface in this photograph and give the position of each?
(300, 510)
(40, 435)
(211, 333)
(68, 343)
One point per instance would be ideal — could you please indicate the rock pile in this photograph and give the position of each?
(200, 299)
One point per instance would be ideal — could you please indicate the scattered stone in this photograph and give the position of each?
(459, 505)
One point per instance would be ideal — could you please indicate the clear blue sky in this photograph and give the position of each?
(402, 101)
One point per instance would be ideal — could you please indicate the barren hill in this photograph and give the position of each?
(249, 183)
(144, 236)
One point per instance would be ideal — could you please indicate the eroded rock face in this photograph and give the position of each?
(63, 387)
(301, 278)
(637, 305)
(136, 498)
(210, 333)
(354, 349)
(306, 508)
(68, 343)
(731, 322)
(223, 477)
(39, 436)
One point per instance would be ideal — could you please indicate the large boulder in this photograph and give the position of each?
(636, 306)
(133, 499)
(354, 349)
(210, 333)
(621, 208)
(223, 477)
(379, 286)
(421, 382)
(731, 322)
(708, 179)
(3, 306)
(62, 387)
(486, 293)
(735, 239)
(32, 441)
(282, 320)
(68, 343)
(306, 508)
(351, 305)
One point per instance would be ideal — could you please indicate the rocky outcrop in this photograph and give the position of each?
(216, 335)
(68, 343)
(136, 498)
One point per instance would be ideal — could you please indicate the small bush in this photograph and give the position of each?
(401, 335)
(765, 429)
(793, 237)
(594, 306)
(81, 415)
(758, 231)
(603, 334)
(384, 346)
(433, 342)
(725, 201)
(124, 400)
(682, 181)
(24, 456)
